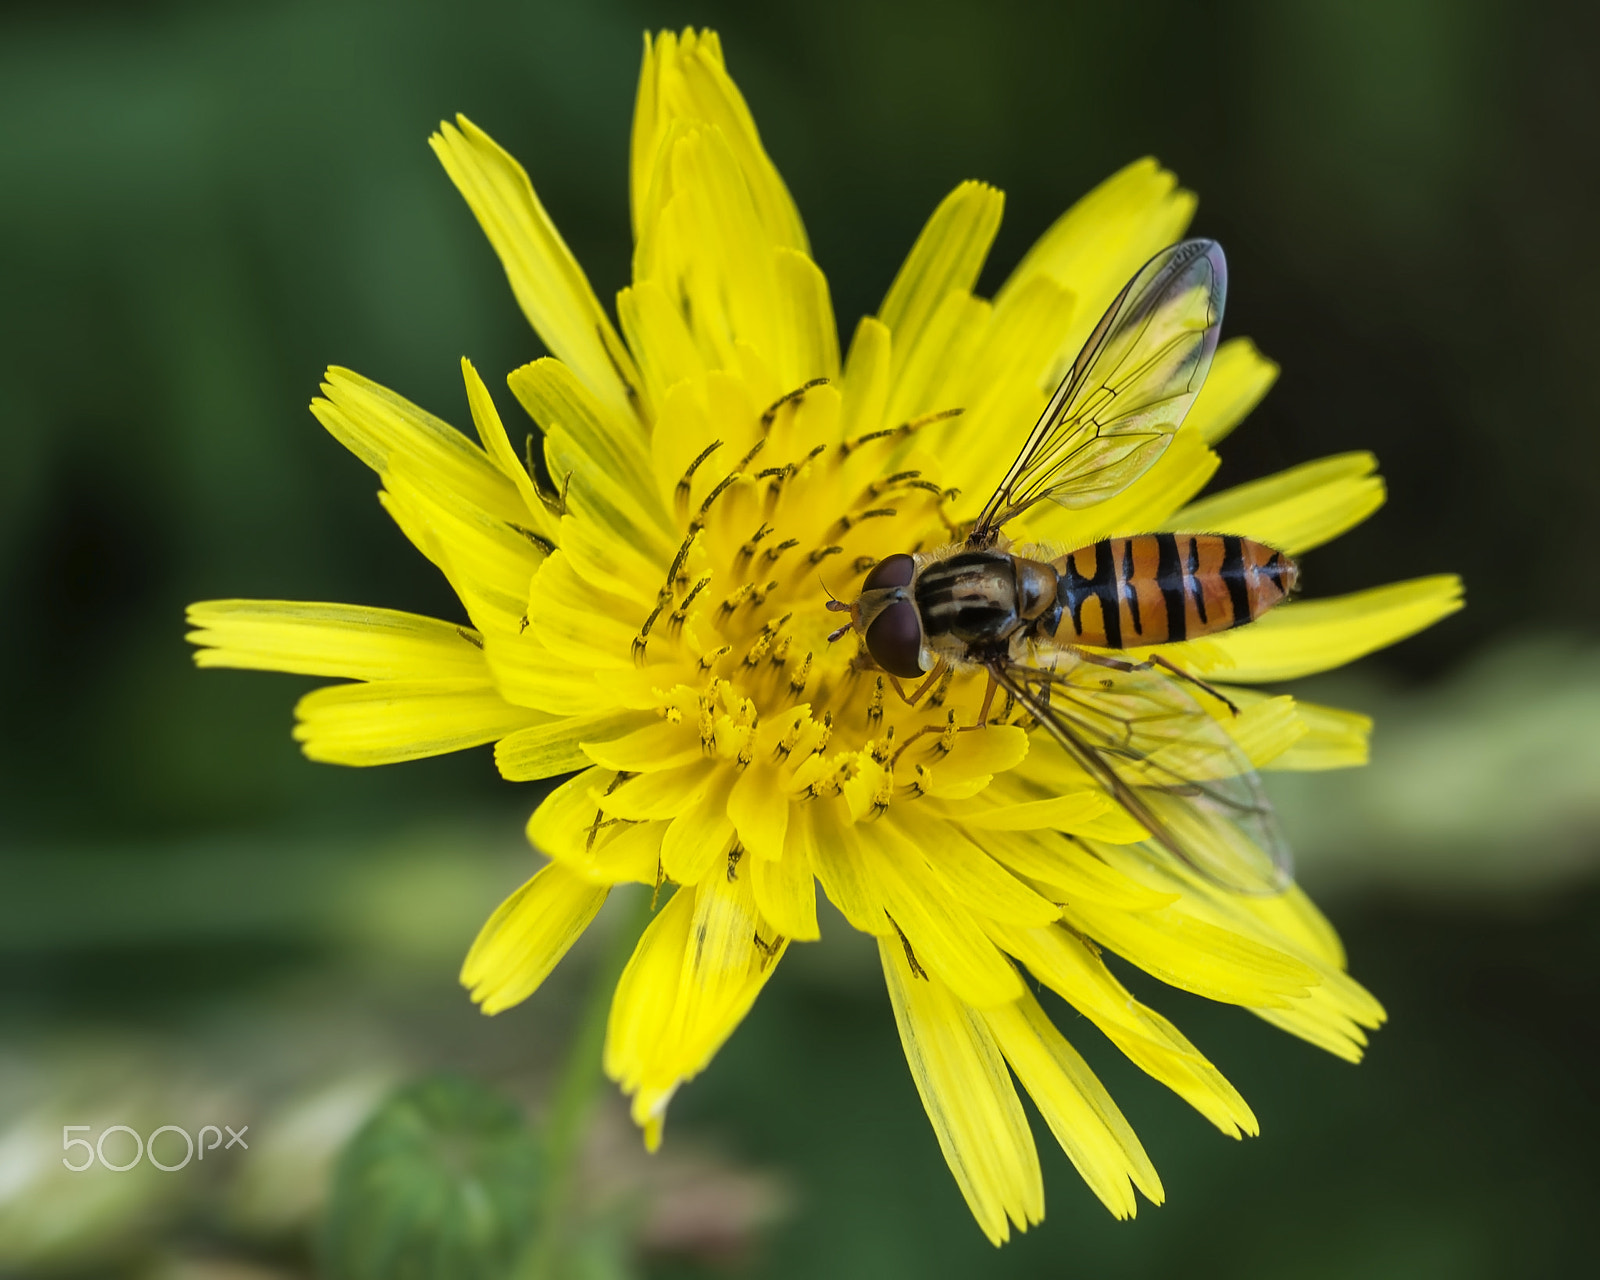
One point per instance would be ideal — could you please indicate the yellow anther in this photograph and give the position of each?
(797, 682)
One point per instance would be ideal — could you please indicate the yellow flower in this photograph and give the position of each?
(652, 614)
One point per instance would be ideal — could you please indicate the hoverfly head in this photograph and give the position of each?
(887, 617)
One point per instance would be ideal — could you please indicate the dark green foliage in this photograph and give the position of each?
(441, 1184)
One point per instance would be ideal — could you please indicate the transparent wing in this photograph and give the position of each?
(1174, 769)
(1127, 392)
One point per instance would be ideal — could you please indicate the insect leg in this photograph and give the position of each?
(983, 711)
(912, 699)
(1156, 660)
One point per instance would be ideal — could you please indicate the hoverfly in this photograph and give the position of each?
(1042, 628)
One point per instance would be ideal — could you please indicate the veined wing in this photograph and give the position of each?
(1175, 770)
(1127, 392)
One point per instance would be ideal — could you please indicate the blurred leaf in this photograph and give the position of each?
(441, 1184)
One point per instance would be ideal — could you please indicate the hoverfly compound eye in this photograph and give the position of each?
(891, 571)
(895, 639)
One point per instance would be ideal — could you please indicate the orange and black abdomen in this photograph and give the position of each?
(1158, 588)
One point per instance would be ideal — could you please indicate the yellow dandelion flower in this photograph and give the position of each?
(652, 614)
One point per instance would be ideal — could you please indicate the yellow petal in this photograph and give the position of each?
(1065, 964)
(962, 1080)
(760, 810)
(1240, 376)
(647, 991)
(1263, 730)
(942, 931)
(492, 435)
(1094, 248)
(970, 875)
(866, 379)
(545, 750)
(488, 561)
(946, 259)
(1086, 1122)
(1061, 813)
(343, 640)
(927, 375)
(1333, 738)
(832, 847)
(663, 794)
(527, 935)
(1067, 871)
(785, 892)
(381, 428)
(1196, 956)
(725, 953)
(657, 332)
(1294, 510)
(578, 622)
(548, 283)
(808, 334)
(555, 398)
(1307, 636)
(573, 829)
(662, 744)
(684, 82)
(388, 721)
(698, 842)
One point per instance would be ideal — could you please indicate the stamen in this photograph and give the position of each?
(797, 682)
(863, 563)
(780, 651)
(758, 649)
(643, 638)
(751, 456)
(725, 610)
(471, 637)
(880, 487)
(848, 522)
(554, 503)
(917, 971)
(875, 707)
(735, 852)
(827, 731)
(539, 540)
(789, 398)
(822, 553)
(677, 565)
(759, 598)
(749, 548)
(771, 554)
(709, 660)
(680, 615)
(680, 495)
(847, 447)
(768, 950)
(942, 690)
(628, 388)
(699, 522)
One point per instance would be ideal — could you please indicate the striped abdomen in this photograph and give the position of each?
(1161, 587)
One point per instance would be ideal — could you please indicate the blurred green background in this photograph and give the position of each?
(202, 205)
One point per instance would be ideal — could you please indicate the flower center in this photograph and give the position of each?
(775, 521)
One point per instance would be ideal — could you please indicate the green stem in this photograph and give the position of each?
(576, 1091)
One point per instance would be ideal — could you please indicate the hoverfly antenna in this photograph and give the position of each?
(834, 605)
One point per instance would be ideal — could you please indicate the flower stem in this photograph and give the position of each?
(575, 1094)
